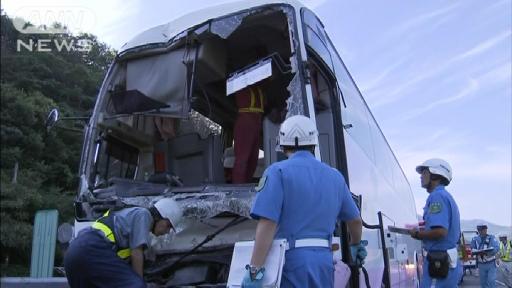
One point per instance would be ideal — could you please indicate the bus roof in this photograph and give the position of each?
(165, 32)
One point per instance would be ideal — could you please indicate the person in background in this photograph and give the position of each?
(504, 270)
(253, 105)
(442, 226)
(110, 253)
(300, 199)
(247, 134)
(486, 259)
(505, 248)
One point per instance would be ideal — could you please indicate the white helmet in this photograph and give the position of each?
(298, 131)
(169, 209)
(438, 167)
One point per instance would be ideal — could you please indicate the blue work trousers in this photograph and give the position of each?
(91, 261)
(308, 267)
(487, 273)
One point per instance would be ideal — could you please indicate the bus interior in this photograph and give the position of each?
(167, 119)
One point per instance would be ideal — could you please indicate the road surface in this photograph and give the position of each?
(473, 281)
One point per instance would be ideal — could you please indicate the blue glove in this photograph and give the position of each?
(358, 252)
(249, 282)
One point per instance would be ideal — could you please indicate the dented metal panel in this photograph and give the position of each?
(166, 32)
(199, 211)
(207, 203)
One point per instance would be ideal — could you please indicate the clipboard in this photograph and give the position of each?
(482, 250)
(398, 230)
(273, 264)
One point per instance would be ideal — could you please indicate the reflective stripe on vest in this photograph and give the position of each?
(109, 234)
(252, 108)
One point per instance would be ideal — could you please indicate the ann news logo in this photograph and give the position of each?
(64, 19)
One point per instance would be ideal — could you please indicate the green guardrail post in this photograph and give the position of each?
(43, 243)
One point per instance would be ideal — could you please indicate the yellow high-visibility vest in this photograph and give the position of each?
(505, 251)
(252, 107)
(109, 234)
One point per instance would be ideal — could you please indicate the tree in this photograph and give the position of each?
(31, 84)
(18, 204)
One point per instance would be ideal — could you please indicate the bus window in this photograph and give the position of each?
(354, 113)
(119, 159)
(315, 37)
(384, 158)
(322, 84)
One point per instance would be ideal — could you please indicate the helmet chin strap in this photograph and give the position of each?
(430, 186)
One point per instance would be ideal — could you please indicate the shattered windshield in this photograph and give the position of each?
(167, 117)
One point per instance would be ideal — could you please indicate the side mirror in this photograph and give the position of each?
(52, 119)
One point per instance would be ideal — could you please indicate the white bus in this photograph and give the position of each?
(163, 125)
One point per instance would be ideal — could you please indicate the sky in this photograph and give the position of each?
(437, 76)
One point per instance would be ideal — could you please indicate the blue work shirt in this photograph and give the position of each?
(488, 241)
(132, 227)
(441, 211)
(304, 197)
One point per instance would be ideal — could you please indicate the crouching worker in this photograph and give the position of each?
(300, 199)
(101, 255)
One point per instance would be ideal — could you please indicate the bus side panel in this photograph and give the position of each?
(360, 178)
(377, 195)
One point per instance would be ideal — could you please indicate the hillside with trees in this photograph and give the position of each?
(39, 167)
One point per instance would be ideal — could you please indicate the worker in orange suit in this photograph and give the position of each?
(247, 134)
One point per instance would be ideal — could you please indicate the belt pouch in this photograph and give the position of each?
(438, 264)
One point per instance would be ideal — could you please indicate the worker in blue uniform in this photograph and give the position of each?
(110, 253)
(486, 258)
(441, 267)
(300, 199)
